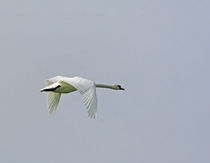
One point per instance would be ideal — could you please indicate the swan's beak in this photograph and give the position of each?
(122, 88)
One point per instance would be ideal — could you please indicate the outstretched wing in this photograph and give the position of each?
(52, 101)
(87, 89)
(89, 98)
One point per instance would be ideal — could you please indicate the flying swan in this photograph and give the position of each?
(87, 88)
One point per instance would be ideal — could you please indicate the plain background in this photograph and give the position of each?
(157, 49)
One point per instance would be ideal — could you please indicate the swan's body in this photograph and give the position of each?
(87, 88)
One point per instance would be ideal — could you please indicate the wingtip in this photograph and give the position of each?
(51, 112)
(93, 116)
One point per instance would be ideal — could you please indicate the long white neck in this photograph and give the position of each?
(105, 86)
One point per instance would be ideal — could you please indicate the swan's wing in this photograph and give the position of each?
(89, 98)
(87, 89)
(52, 101)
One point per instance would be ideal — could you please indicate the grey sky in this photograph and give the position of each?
(157, 50)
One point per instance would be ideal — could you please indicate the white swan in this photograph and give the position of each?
(87, 88)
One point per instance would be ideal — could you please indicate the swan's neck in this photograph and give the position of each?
(105, 86)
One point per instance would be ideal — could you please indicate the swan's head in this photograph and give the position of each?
(118, 87)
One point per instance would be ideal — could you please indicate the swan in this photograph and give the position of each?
(59, 84)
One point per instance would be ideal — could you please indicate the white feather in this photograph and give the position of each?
(87, 89)
(89, 98)
(52, 101)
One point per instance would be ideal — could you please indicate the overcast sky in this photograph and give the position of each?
(158, 50)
